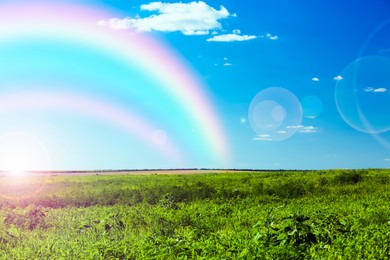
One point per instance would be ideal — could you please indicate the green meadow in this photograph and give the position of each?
(333, 214)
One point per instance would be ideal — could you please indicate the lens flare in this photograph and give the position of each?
(363, 96)
(378, 44)
(274, 114)
(21, 152)
(23, 157)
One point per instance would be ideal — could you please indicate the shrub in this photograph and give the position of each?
(351, 177)
(291, 188)
(34, 218)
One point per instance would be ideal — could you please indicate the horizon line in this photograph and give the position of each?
(181, 169)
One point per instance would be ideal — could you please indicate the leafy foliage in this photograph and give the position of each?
(349, 177)
(335, 214)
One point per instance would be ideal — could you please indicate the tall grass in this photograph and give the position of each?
(243, 215)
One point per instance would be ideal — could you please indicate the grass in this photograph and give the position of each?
(335, 214)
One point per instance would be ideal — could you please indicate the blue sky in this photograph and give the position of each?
(293, 84)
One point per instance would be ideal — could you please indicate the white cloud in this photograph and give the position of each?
(226, 64)
(271, 37)
(315, 79)
(368, 89)
(308, 129)
(235, 36)
(115, 23)
(263, 137)
(387, 159)
(231, 38)
(376, 90)
(295, 126)
(304, 129)
(194, 18)
(281, 132)
(338, 78)
(380, 90)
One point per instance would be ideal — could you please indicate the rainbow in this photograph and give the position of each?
(76, 24)
(87, 106)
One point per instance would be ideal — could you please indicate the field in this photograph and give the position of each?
(334, 214)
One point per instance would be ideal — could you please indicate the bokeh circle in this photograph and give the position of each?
(363, 96)
(378, 43)
(159, 137)
(274, 114)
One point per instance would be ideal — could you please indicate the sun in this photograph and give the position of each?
(21, 153)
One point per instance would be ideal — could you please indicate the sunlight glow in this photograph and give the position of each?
(22, 152)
